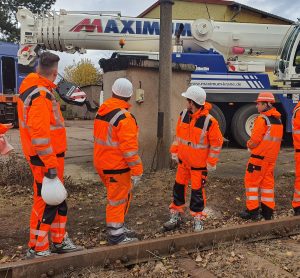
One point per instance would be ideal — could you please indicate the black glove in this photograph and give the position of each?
(51, 174)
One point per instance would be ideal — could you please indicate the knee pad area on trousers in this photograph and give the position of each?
(197, 202)
(49, 214)
(178, 194)
(63, 209)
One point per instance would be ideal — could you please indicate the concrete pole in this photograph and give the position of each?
(165, 87)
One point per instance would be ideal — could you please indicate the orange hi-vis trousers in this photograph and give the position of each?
(119, 186)
(259, 176)
(197, 177)
(45, 218)
(296, 197)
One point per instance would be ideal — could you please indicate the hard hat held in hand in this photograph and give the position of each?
(195, 93)
(53, 191)
(266, 97)
(122, 87)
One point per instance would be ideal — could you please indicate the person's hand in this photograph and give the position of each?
(175, 157)
(51, 174)
(135, 180)
(211, 168)
(249, 150)
(9, 126)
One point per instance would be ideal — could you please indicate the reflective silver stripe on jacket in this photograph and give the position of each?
(130, 154)
(201, 144)
(133, 163)
(297, 192)
(267, 199)
(252, 189)
(216, 149)
(270, 191)
(252, 198)
(28, 100)
(215, 155)
(296, 199)
(206, 122)
(49, 150)
(111, 123)
(194, 146)
(40, 141)
(184, 112)
(268, 136)
(58, 122)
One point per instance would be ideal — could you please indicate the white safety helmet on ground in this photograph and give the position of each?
(122, 87)
(196, 94)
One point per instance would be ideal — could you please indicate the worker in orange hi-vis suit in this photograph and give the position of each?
(43, 138)
(196, 150)
(296, 141)
(116, 158)
(264, 145)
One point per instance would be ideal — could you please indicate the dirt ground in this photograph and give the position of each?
(148, 211)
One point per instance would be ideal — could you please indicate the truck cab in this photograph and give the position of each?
(11, 76)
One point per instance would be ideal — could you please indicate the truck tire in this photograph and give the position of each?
(217, 113)
(242, 123)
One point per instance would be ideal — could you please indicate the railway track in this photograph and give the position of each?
(155, 249)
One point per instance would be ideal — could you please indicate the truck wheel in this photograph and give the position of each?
(217, 113)
(242, 123)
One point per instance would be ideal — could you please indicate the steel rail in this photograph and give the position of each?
(149, 249)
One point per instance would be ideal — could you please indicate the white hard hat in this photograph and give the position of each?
(196, 94)
(122, 87)
(53, 191)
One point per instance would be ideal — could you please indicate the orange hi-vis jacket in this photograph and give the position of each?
(3, 129)
(42, 129)
(198, 138)
(266, 135)
(296, 127)
(116, 138)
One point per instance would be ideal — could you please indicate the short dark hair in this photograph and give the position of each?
(198, 106)
(47, 61)
(122, 98)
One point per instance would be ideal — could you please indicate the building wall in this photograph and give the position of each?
(188, 10)
(146, 112)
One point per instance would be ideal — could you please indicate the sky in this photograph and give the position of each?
(284, 8)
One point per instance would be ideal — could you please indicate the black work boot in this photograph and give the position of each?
(297, 211)
(250, 214)
(266, 212)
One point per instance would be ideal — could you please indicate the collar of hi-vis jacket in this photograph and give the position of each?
(272, 112)
(202, 112)
(112, 104)
(34, 79)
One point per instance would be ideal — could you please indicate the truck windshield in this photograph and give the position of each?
(8, 72)
(24, 70)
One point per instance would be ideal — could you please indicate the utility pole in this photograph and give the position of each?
(165, 88)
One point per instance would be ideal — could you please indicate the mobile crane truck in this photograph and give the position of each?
(228, 56)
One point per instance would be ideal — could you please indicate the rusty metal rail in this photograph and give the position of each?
(149, 249)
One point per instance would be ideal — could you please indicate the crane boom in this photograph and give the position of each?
(78, 31)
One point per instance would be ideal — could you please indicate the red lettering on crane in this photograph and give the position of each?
(87, 26)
